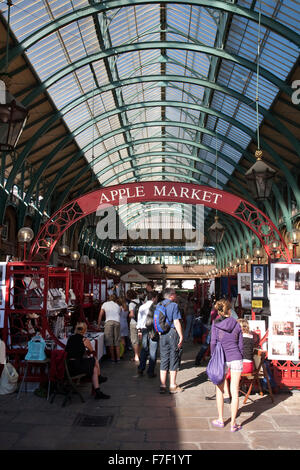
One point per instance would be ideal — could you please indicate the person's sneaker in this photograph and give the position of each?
(102, 379)
(100, 395)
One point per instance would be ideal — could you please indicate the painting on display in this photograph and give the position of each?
(283, 340)
(244, 282)
(244, 289)
(258, 327)
(285, 312)
(285, 278)
(2, 273)
(259, 281)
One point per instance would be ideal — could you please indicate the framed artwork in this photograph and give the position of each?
(259, 281)
(283, 340)
(258, 273)
(2, 273)
(244, 282)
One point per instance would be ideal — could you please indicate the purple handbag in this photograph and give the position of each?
(216, 367)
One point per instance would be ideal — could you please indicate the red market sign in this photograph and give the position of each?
(156, 191)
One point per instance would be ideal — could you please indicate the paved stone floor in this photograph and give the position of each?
(142, 419)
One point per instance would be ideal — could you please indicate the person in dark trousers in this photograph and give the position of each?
(149, 347)
(170, 344)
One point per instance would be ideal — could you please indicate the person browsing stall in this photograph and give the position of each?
(228, 332)
(112, 336)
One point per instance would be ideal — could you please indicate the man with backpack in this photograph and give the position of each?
(170, 343)
(149, 347)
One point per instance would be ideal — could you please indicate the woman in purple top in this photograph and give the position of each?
(228, 331)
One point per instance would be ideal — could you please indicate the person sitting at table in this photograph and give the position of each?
(77, 348)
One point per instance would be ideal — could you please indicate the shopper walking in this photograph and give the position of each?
(170, 344)
(228, 331)
(124, 330)
(189, 315)
(134, 304)
(149, 347)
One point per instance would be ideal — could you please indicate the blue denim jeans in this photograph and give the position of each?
(188, 327)
(149, 348)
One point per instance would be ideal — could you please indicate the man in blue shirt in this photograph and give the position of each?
(170, 344)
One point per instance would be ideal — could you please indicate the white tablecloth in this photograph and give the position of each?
(97, 342)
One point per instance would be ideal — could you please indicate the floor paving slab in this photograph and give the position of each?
(143, 419)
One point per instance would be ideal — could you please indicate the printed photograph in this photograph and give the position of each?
(258, 289)
(283, 348)
(283, 328)
(297, 280)
(282, 278)
(258, 273)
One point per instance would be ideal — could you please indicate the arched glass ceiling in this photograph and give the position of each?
(70, 61)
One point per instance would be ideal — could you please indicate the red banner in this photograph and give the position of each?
(162, 191)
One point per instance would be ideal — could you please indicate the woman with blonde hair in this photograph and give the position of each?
(227, 331)
(77, 348)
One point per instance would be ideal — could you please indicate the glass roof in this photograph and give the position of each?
(136, 84)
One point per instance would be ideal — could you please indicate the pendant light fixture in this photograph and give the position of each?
(260, 176)
(216, 230)
(13, 115)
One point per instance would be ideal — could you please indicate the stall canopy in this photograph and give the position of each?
(134, 276)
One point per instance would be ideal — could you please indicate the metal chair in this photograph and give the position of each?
(30, 363)
(62, 381)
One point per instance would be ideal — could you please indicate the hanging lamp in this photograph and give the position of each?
(216, 230)
(260, 176)
(13, 115)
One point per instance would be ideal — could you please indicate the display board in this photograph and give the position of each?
(284, 322)
(244, 289)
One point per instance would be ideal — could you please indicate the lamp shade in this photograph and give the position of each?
(64, 250)
(75, 255)
(294, 236)
(92, 262)
(25, 235)
(84, 259)
(260, 178)
(13, 117)
(258, 253)
(216, 231)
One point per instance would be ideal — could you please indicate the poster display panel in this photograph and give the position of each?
(285, 312)
(244, 289)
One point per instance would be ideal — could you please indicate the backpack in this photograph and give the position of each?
(136, 309)
(153, 335)
(160, 322)
(216, 367)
